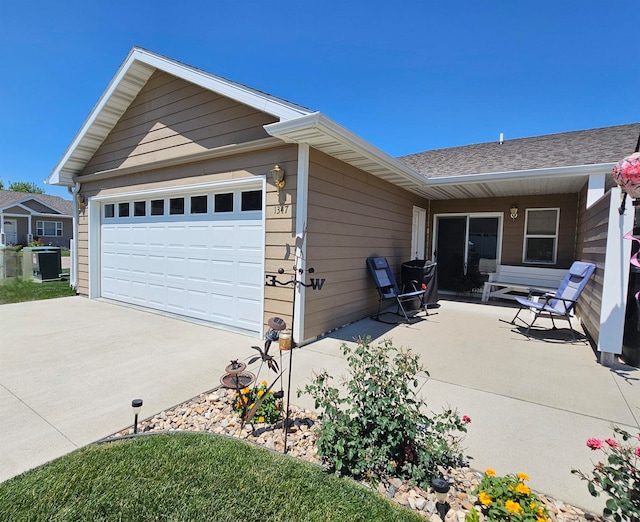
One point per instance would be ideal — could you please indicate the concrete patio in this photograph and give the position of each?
(70, 367)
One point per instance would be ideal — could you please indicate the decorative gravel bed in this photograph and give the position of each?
(212, 412)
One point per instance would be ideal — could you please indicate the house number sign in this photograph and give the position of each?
(314, 283)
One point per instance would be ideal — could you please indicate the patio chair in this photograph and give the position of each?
(560, 303)
(388, 288)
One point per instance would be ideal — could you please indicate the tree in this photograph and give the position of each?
(25, 186)
(1, 185)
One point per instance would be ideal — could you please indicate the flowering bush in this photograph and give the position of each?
(379, 429)
(507, 498)
(617, 475)
(269, 409)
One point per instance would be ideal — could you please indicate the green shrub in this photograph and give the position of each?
(618, 475)
(379, 429)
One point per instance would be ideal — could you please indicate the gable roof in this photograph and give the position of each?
(566, 149)
(132, 75)
(9, 198)
(552, 164)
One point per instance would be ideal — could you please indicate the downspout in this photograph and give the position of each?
(73, 279)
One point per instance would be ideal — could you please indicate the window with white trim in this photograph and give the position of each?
(49, 228)
(541, 235)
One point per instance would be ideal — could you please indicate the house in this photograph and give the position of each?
(178, 211)
(25, 217)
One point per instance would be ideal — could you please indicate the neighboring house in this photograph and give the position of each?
(178, 211)
(25, 217)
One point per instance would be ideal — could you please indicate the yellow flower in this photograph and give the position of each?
(264, 383)
(490, 472)
(252, 405)
(523, 489)
(245, 390)
(513, 507)
(523, 476)
(484, 498)
(542, 519)
(245, 400)
(260, 393)
(260, 419)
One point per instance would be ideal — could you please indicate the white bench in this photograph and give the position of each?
(509, 282)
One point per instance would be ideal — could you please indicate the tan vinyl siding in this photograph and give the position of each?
(513, 231)
(172, 118)
(591, 245)
(352, 215)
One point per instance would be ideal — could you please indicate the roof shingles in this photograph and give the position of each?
(585, 147)
(63, 206)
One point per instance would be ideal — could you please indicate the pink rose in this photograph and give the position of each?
(594, 444)
(637, 452)
(612, 443)
(466, 419)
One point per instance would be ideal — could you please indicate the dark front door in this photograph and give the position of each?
(450, 251)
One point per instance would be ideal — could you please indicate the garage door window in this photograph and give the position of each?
(157, 207)
(251, 200)
(176, 206)
(199, 204)
(139, 208)
(123, 209)
(109, 210)
(224, 202)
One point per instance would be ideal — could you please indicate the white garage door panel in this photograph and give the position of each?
(205, 269)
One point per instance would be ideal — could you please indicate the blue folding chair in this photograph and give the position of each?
(562, 302)
(388, 288)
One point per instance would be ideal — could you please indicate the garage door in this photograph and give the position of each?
(199, 255)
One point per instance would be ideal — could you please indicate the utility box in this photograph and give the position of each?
(42, 263)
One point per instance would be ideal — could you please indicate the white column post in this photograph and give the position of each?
(30, 231)
(2, 238)
(301, 244)
(615, 280)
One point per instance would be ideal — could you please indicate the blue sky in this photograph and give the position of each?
(406, 76)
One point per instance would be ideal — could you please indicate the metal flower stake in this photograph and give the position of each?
(296, 280)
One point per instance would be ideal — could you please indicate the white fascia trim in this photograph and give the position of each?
(261, 101)
(571, 171)
(56, 177)
(285, 130)
(255, 181)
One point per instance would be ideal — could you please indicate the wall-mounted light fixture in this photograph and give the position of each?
(514, 212)
(278, 177)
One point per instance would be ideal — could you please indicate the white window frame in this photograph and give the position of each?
(540, 236)
(40, 229)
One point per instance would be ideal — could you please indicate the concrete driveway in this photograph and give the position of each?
(69, 369)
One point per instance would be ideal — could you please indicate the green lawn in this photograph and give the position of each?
(184, 477)
(19, 290)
